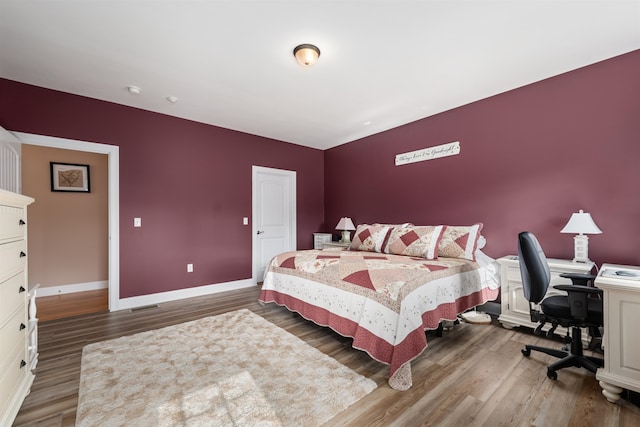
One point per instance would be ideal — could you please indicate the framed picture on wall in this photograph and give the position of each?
(70, 177)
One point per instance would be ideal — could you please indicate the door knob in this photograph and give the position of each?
(260, 232)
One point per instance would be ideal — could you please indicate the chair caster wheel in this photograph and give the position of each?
(552, 374)
(526, 352)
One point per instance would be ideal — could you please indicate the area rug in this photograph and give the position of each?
(235, 369)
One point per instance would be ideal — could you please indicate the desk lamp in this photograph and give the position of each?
(345, 224)
(583, 224)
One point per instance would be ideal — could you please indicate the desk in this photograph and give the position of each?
(515, 307)
(621, 339)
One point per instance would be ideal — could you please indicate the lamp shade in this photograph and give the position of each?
(345, 223)
(581, 223)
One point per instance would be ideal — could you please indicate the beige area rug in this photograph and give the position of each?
(235, 369)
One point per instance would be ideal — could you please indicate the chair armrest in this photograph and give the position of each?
(579, 278)
(579, 288)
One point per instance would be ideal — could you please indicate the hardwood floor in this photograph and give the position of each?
(474, 375)
(68, 305)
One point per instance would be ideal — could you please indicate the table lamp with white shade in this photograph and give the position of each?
(581, 224)
(346, 225)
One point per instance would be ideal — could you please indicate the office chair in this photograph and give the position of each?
(573, 311)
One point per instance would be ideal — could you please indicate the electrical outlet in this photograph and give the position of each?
(137, 222)
(189, 268)
(245, 221)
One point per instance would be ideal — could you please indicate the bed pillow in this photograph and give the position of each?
(416, 241)
(460, 241)
(406, 224)
(370, 238)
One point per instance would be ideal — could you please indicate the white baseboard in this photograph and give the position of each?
(48, 291)
(144, 300)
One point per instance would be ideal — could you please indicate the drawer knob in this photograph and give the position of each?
(22, 254)
(21, 222)
(22, 326)
(22, 364)
(21, 289)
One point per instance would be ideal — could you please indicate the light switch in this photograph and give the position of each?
(245, 221)
(137, 222)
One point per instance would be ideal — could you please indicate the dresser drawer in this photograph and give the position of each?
(11, 378)
(14, 330)
(14, 259)
(11, 297)
(12, 223)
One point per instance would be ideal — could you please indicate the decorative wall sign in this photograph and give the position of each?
(444, 150)
(69, 177)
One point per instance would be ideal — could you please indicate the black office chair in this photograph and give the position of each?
(579, 309)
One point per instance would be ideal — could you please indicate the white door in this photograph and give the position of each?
(274, 216)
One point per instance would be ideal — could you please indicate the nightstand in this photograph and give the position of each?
(514, 306)
(335, 246)
(319, 239)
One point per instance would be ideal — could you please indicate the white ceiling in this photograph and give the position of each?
(230, 63)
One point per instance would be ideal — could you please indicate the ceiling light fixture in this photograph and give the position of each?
(306, 54)
(134, 90)
(172, 99)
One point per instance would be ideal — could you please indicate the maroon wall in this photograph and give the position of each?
(189, 182)
(529, 158)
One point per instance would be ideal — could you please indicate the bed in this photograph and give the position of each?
(391, 285)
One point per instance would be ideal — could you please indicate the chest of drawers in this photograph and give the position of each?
(18, 332)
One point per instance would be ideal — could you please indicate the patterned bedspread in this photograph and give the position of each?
(384, 302)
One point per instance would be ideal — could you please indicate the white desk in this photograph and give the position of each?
(515, 307)
(621, 338)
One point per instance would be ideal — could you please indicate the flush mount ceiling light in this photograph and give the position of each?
(133, 90)
(306, 54)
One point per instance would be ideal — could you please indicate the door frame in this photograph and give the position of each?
(292, 244)
(113, 154)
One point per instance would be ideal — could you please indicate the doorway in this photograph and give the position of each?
(68, 232)
(112, 153)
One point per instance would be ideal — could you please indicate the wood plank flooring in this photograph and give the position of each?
(474, 375)
(74, 304)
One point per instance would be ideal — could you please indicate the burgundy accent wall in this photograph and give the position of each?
(189, 182)
(529, 158)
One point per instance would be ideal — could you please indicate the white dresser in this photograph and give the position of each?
(514, 306)
(621, 341)
(18, 329)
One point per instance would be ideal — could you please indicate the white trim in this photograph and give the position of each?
(141, 301)
(113, 153)
(10, 156)
(48, 291)
(291, 176)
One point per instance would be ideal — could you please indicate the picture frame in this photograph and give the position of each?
(70, 177)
